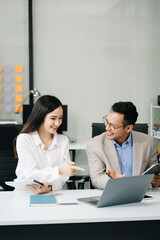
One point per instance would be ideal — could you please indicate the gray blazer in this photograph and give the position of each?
(102, 156)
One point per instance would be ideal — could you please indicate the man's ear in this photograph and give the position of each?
(129, 128)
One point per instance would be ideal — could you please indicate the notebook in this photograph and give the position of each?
(155, 169)
(121, 190)
(42, 200)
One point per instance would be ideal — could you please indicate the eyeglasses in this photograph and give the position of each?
(111, 125)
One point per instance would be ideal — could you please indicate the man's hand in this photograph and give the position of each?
(156, 180)
(114, 174)
(40, 189)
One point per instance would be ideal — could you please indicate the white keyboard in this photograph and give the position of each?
(66, 199)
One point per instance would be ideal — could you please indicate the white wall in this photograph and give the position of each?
(92, 53)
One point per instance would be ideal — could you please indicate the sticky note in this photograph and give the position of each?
(7, 78)
(0, 68)
(7, 98)
(0, 88)
(18, 68)
(8, 108)
(19, 98)
(19, 108)
(7, 68)
(18, 78)
(7, 88)
(19, 88)
(0, 78)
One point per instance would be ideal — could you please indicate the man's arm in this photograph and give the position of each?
(153, 160)
(153, 154)
(97, 167)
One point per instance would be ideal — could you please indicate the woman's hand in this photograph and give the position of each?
(69, 169)
(40, 189)
(114, 174)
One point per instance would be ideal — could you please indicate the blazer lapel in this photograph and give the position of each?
(111, 154)
(137, 154)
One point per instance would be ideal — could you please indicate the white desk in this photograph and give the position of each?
(78, 145)
(16, 216)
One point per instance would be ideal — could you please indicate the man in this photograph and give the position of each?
(120, 151)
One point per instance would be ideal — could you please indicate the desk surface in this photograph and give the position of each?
(15, 210)
(78, 145)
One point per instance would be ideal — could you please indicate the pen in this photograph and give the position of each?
(109, 175)
(40, 183)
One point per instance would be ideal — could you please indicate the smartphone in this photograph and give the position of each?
(147, 197)
(38, 183)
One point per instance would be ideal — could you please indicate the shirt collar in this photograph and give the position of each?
(38, 141)
(128, 142)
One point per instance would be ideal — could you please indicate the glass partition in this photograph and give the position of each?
(14, 58)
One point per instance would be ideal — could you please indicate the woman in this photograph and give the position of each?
(42, 150)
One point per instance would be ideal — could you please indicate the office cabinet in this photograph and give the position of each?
(155, 121)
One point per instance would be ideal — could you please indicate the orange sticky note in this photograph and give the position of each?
(19, 108)
(0, 68)
(19, 88)
(0, 78)
(18, 68)
(159, 148)
(18, 78)
(19, 98)
(0, 88)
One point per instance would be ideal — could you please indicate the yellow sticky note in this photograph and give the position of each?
(19, 88)
(0, 78)
(19, 98)
(0, 68)
(0, 88)
(19, 108)
(18, 68)
(18, 78)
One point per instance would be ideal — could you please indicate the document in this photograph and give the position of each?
(66, 199)
(20, 184)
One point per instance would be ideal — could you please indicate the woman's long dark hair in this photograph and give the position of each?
(44, 105)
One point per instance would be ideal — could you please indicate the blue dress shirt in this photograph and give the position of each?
(125, 156)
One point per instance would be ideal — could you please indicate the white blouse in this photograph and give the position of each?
(36, 163)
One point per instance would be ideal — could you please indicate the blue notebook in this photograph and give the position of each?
(42, 200)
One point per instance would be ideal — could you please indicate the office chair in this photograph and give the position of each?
(7, 171)
(99, 128)
(8, 162)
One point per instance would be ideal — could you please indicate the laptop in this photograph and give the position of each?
(121, 190)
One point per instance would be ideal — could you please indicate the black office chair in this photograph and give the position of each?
(7, 171)
(8, 162)
(99, 128)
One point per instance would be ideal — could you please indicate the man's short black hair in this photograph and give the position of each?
(128, 109)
